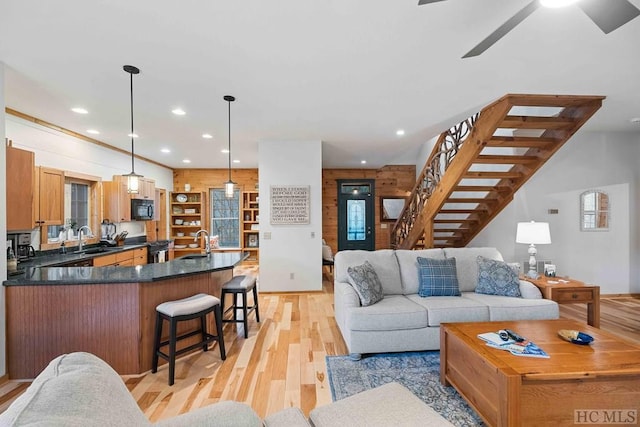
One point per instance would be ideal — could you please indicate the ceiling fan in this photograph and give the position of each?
(608, 15)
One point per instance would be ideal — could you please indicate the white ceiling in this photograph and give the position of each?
(346, 72)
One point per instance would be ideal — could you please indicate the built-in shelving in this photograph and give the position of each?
(250, 220)
(187, 217)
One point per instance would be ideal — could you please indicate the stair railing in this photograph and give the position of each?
(444, 151)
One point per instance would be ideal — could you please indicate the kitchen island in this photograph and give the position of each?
(107, 311)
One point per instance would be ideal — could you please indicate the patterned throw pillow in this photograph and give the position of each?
(438, 277)
(497, 278)
(365, 281)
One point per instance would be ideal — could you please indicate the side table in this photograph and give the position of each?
(564, 290)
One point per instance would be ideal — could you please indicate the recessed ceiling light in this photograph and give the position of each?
(364, 162)
(93, 132)
(178, 112)
(186, 161)
(400, 132)
(165, 150)
(132, 135)
(224, 150)
(80, 110)
(236, 161)
(207, 136)
(557, 3)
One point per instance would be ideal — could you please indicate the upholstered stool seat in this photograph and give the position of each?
(241, 286)
(193, 307)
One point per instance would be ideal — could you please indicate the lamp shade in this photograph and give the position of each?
(533, 232)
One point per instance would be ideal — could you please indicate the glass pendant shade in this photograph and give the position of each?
(133, 183)
(229, 187)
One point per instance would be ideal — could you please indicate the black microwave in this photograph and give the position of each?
(141, 209)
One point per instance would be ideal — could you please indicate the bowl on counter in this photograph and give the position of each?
(193, 245)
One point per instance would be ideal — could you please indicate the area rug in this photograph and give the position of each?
(418, 371)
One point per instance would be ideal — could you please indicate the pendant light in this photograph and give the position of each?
(133, 179)
(229, 186)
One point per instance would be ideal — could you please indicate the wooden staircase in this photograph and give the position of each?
(477, 166)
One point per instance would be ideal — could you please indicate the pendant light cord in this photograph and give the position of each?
(229, 148)
(132, 155)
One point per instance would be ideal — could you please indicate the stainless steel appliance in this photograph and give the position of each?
(141, 209)
(22, 245)
(158, 251)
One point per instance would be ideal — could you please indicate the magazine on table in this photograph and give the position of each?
(524, 348)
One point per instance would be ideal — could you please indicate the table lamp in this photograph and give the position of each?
(533, 233)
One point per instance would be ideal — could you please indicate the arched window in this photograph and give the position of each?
(594, 211)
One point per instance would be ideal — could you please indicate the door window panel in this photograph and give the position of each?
(356, 210)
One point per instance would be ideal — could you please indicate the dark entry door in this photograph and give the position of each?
(356, 215)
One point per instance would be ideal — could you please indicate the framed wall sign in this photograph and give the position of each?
(289, 204)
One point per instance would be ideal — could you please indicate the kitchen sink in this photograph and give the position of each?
(193, 256)
(93, 251)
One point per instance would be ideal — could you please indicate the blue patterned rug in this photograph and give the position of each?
(418, 371)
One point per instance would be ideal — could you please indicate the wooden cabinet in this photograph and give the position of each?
(117, 201)
(187, 217)
(250, 220)
(122, 259)
(49, 209)
(20, 189)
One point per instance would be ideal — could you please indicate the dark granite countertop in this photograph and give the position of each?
(44, 275)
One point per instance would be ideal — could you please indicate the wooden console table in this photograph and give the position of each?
(564, 290)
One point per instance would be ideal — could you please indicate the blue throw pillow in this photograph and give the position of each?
(497, 278)
(438, 277)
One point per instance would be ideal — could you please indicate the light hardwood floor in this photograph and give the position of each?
(282, 363)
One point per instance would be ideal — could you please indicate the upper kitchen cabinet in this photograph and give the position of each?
(117, 202)
(20, 189)
(49, 209)
(147, 189)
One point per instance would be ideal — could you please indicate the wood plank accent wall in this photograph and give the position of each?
(391, 181)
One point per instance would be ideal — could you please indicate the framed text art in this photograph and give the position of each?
(289, 204)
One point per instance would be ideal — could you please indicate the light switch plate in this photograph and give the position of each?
(266, 235)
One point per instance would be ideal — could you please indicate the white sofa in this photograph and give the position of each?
(81, 390)
(404, 321)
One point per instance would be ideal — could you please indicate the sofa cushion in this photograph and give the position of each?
(391, 404)
(496, 278)
(467, 266)
(365, 281)
(452, 309)
(509, 308)
(408, 263)
(394, 312)
(76, 389)
(438, 277)
(383, 261)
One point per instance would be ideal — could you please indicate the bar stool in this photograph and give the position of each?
(196, 306)
(240, 285)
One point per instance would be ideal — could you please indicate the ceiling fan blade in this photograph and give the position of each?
(421, 2)
(503, 29)
(609, 14)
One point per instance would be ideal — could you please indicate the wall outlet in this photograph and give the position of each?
(266, 235)
(313, 234)
(291, 276)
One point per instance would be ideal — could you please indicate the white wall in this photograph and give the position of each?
(291, 259)
(61, 151)
(590, 160)
(3, 227)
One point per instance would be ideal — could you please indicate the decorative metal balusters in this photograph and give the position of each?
(442, 155)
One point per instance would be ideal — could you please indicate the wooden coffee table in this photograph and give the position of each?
(508, 390)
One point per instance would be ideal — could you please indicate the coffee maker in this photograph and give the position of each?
(22, 243)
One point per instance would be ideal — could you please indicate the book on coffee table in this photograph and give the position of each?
(524, 348)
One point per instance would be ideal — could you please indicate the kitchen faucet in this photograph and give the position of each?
(90, 233)
(207, 245)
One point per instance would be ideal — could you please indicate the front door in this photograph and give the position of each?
(356, 215)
